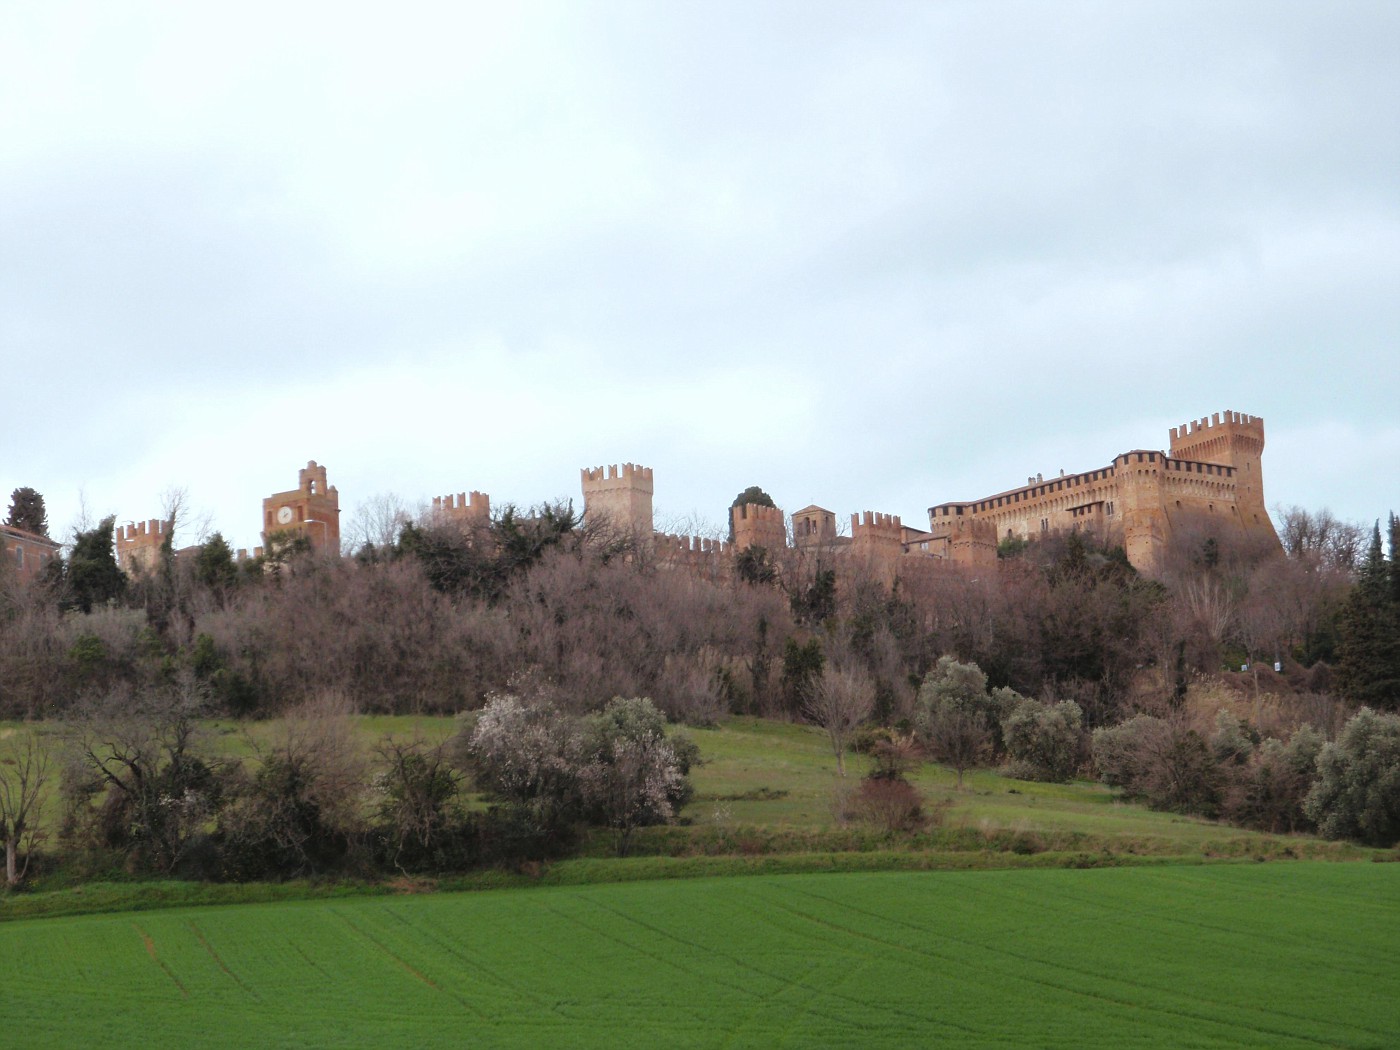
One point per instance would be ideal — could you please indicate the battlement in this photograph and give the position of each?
(1140, 457)
(132, 533)
(1193, 466)
(669, 543)
(628, 476)
(1213, 426)
(474, 505)
(874, 521)
(758, 512)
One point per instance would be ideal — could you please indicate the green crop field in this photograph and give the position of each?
(1269, 955)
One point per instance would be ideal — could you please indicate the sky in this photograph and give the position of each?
(873, 256)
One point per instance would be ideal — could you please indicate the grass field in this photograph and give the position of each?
(1267, 955)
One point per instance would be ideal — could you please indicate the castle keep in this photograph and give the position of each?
(1212, 473)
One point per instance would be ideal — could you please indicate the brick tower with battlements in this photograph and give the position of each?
(758, 526)
(138, 546)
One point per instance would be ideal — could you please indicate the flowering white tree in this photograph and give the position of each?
(528, 755)
(617, 768)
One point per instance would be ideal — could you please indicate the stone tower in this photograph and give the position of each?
(138, 546)
(758, 526)
(1235, 441)
(878, 535)
(621, 497)
(312, 509)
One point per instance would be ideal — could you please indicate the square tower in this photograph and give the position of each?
(621, 497)
(312, 509)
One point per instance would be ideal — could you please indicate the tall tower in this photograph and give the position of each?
(312, 509)
(1236, 441)
(620, 497)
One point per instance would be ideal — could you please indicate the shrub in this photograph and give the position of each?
(633, 776)
(1268, 793)
(1121, 752)
(1167, 763)
(1357, 791)
(300, 812)
(894, 806)
(1043, 740)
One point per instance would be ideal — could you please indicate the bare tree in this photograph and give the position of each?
(840, 701)
(24, 777)
(1319, 537)
(377, 522)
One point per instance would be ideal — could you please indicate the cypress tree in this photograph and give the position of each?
(1368, 670)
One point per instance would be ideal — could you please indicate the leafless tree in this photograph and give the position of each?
(1319, 537)
(841, 700)
(376, 523)
(24, 777)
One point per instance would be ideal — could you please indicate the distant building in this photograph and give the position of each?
(28, 553)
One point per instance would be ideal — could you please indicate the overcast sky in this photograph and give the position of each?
(865, 255)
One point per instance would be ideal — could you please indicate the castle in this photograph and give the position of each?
(1210, 474)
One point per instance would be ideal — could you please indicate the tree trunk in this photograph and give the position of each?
(11, 869)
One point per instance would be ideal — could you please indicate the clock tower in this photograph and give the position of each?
(312, 509)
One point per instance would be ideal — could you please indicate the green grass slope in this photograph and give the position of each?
(1266, 955)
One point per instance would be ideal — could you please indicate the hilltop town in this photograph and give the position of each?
(1211, 472)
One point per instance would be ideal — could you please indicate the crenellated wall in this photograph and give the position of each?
(465, 507)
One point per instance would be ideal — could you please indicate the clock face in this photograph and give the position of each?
(284, 516)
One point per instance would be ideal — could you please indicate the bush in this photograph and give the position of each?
(1268, 793)
(894, 806)
(1166, 763)
(300, 812)
(1043, 740)
(1357, 791)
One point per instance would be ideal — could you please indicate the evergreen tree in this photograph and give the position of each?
(1368, 670)
(92, 576)
(27, 512)
(215, 568)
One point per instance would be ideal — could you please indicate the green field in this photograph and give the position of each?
(1268, 955)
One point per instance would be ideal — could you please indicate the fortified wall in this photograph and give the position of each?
(1212, 474)
(465, 508)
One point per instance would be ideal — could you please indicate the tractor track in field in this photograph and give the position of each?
(155, 957)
